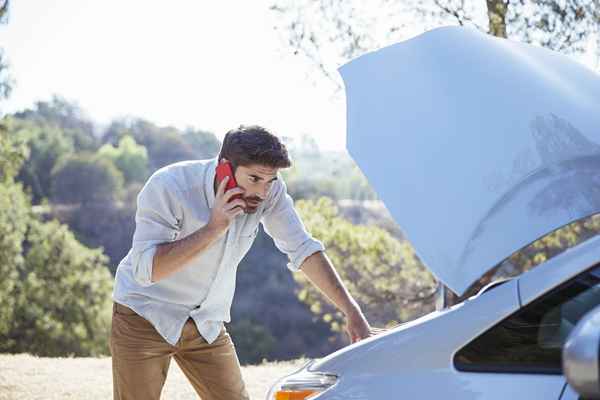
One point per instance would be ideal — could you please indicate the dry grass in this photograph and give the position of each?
(26, 377)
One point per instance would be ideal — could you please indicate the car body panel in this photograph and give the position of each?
(416, 361)
(402, 348)
(474, 159)
(416, 358)
(445, 384)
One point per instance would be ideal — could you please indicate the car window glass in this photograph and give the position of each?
(530, 341)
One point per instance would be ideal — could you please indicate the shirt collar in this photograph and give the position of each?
(209, 179)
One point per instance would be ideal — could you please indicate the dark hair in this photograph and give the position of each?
(253, 144)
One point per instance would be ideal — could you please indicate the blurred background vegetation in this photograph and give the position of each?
(68, 191)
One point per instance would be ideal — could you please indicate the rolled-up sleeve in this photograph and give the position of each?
(282, 222)
(157, 220)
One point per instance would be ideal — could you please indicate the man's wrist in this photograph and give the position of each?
(212, 230)
(352, 310)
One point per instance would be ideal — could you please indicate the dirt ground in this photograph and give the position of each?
(26, 377)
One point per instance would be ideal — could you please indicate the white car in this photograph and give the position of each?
(478, 146)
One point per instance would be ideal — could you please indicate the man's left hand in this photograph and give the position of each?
(357, 326)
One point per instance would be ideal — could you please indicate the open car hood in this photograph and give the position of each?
(477, 145)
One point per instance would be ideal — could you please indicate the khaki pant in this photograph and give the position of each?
(141, 357)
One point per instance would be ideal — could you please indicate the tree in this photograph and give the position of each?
(329, 33)
(381, 272)
(15, 215)
(559, 25)
(68, 117)
(86, 178)
(129, 157)
(64, 296)
(47, 144)
(107, 225)
(165, 145)
(54, 292)
(204, 144)
(252, 340)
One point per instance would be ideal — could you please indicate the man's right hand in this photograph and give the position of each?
(170, 257)
(224, 211)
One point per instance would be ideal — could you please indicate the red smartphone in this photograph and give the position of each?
(224, 169)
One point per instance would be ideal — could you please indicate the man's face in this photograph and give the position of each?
(256, 180)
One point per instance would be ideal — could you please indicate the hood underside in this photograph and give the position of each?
(478, 146)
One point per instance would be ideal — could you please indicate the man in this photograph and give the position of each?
(173, 290)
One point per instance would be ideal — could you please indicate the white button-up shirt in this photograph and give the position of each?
(175, 202)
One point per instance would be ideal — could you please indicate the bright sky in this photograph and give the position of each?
(207, 64)
(210, 65)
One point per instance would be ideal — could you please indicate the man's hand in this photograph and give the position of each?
(319, 270)
(224, 211)
(170, 257)
(357, 326)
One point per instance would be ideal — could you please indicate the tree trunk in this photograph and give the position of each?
(497, 17)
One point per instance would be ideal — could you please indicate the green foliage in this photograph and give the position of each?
(13, 151)
(381, 272)
(107, 225)
(67, 117)
(14, 217)
(129, 157)
(202, 143)
(47, 145)
(165, 145)
(63, 296)
(55, 292)
(86, 179)
(556, 242)
(252, 341)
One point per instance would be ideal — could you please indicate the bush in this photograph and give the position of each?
(382, 272)
(63, 297)
(54, 292)
(130, 157)
(252, 341)
(86, 179)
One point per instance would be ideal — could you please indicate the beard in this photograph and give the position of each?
(252, 204)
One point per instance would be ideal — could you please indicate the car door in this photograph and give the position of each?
(525, 349)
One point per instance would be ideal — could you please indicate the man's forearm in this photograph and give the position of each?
(323, 275)
(170, 257)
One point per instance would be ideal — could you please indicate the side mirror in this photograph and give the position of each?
(581, 354)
